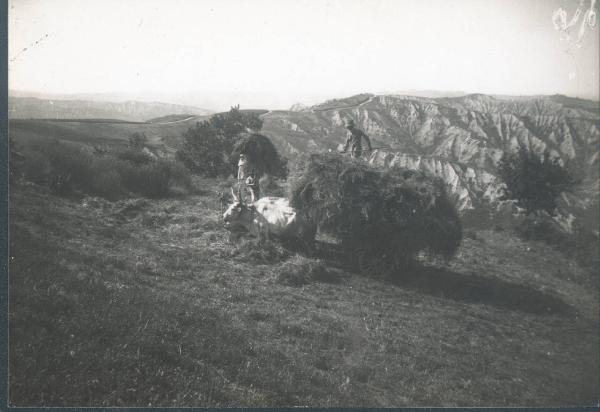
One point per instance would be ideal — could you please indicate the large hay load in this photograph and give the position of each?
(388, 215)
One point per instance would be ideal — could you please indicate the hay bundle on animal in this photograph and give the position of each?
(261, 153)
(388, 214)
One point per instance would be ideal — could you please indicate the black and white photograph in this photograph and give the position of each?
(303, 203)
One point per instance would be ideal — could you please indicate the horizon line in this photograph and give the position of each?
(126, 95)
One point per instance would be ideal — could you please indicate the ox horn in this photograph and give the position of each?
(239, 195)
(235, 197)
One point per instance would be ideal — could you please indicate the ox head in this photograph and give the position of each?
(236, 214)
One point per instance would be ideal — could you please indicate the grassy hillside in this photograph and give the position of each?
(162, 133)
(146, 303)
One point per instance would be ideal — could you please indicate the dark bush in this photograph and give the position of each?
(154, 179)
(134, 156)
(66, 168)
(534, 181)
(108, 185)
(205, 150)
(62, 167)
(386, 214)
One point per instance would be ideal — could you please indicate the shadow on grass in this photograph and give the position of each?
(478, 289)
(439, 282)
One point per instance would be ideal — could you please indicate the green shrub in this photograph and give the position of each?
(112, 175)
(180, 175)
(386, 214)
(134, 156)
(534, 181)
(108, 185)
(154, 179)
(62, 167)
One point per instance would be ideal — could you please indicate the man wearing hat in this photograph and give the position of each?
(354, 139)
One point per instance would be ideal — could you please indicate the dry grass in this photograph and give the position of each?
(147, 303)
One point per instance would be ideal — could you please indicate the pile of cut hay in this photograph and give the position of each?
(386, 213)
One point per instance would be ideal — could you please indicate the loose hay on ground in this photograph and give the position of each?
(300, 271)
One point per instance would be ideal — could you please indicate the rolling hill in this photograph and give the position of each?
(35, 108)
(164, 134)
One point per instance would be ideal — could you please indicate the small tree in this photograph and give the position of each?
(534, 181)
(207, 146)
(204, 150)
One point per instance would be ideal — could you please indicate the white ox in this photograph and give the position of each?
(270, 216)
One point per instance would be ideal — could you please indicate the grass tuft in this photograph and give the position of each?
(301, 270)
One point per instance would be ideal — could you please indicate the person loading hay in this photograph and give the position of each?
(354, 138)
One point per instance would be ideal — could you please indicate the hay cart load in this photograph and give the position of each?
(382, 217)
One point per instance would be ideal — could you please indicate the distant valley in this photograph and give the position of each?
(36, 108)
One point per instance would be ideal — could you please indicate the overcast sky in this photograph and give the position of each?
(289, 51)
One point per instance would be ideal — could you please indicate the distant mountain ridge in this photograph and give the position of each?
(36, 108)
(459, 139)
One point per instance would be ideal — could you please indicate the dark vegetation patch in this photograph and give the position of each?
(67, 169)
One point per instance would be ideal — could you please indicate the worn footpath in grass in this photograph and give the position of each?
(146, 302)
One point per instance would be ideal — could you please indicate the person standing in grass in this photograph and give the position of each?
(354, 138)
(247, 177)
